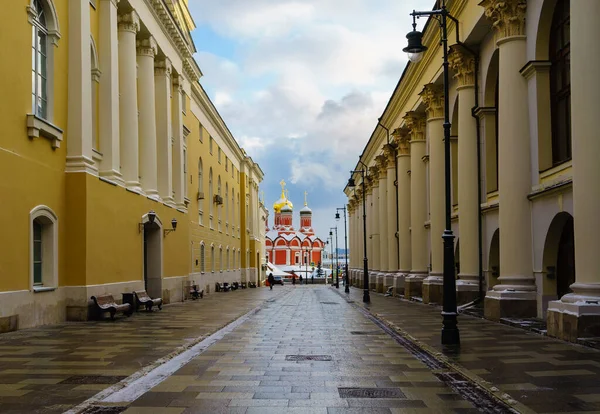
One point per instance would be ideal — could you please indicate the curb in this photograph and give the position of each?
(493, 391)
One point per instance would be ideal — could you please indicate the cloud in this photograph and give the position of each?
(305, 83)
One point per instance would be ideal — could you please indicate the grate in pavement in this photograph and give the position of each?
(371, 393)
(308, 358)
(103, 410)
(329, 303)
(93, 379)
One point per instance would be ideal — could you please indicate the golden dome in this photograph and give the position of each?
(283, 200)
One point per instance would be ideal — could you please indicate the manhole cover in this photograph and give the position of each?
(371, 393)
(103, 410)
(308, 357)
(329, 303)
(93, 379)
(366, 333)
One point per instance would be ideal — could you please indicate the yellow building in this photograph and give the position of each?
(108, 143)
(525, 194)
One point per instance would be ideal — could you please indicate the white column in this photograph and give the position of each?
(577, 314)
(79, 143)
(369, 208)
(391, 213)
(515, 294)
(383, 222)
(433, 97)
(164, 129)
(375, 222)
(418, 205)
(178, 139)
(146, 50)
(404, 208)
(108, 116)
(129, 25)
(463, 64)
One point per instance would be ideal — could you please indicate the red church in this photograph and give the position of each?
(286, 246)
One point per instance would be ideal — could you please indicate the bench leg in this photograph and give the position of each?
(149, 306)
(112, 314)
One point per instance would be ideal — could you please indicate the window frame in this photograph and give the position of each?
(48, 222)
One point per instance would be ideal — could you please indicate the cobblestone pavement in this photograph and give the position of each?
(257, 368)
(543, 374)
(50, 369)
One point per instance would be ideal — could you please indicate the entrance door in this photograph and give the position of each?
(565, 261)
(153, 260)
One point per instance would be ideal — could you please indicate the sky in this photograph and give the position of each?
(301, 84)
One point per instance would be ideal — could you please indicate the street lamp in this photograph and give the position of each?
(306, 265)
(415, 49)
(337, 217)
(337, 277)
(352, 184)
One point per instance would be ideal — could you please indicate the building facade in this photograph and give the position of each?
(525, 198)
(117, 171)
(286, 246)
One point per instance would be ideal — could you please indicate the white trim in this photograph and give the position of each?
(49, 245)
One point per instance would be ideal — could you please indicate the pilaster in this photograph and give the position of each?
(402, 139)
(164, 129)
(178, 141)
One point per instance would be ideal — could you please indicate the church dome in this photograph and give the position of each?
(283, 200)
(286, 208)
(306, 210)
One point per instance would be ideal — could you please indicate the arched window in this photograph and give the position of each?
(202, 258)
(39, 80)
(232, 212)
(233, 266)
(221, 258)
(200, 192)
(560, 82)
(219, 208)
(212, 258)
(210, 197)
(43, 248)
(226, 208)
(227, 263)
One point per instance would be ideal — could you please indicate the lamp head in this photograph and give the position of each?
(330, 233)
(337, 216)
(415, 46)
(151, 216)
(351, 182)
(174, 224)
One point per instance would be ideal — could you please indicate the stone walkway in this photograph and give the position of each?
(543, 374)
(53, 368)
(353, 367)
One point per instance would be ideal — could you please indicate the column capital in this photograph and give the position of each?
(390, 154)
(382, 163)
(163, 67)
(129, 22)
(114, 2)
(358, 194)
(507, 16)
(401, 137)
(433, 97)
(415, 121)
(147, 47)
(463, 64)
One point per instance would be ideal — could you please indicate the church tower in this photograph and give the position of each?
(306, 218)
(283, 208)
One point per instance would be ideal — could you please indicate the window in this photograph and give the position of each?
(210, 198)
(560, 82)
(184, 103)
(39, 64)
(37, 253)
(221, 259)
(202, 258)
(201, 132)
(95, 89)
(233, 266)
(212, 258)
(210, 145)
(43, 249)
(226, 164)
(219, 156)
(200, 192)
(219, 207)
(185, 180)
(226, 206)
(228, 263)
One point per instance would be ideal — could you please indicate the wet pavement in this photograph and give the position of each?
(541, 374)
(53, 368)
(295, 349)
(307, 352)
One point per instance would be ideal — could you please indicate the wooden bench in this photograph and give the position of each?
(251, 284)
(243, 285)
(142, 298)
(195, 293)
(226, 287)
(235, 286)
(390, 291)
(106, 303)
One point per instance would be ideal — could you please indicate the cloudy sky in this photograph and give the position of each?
(301, 83)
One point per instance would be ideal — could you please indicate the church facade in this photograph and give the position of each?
(286, 246)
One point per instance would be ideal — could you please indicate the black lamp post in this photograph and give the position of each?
(415, 49)
(306, 265)
(337, 217)
(337, 269)
(352, 184)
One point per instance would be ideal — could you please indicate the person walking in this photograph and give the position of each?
(293, 279)
(271, 280)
